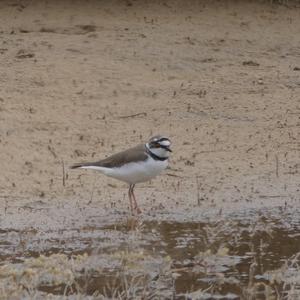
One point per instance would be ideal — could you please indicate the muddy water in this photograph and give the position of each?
(247, 255)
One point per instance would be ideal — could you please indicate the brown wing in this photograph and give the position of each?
(137, 153)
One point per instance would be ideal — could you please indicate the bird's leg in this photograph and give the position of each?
(135, 203)
(130, 197)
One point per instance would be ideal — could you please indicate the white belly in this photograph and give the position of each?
(135, 172)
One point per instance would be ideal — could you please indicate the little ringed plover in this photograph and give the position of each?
(134, 165)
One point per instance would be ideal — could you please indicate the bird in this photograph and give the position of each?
(137, 164)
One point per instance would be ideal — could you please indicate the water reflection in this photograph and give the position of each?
(225, 259)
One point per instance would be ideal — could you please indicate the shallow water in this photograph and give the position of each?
(232, 257)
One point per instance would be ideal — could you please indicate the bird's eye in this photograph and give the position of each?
(155, 145)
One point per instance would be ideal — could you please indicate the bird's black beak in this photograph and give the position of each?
(166, 148)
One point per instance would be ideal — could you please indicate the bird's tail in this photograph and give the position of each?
(81, 165)
(92, 166)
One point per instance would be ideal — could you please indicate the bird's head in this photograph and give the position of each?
(160, 146)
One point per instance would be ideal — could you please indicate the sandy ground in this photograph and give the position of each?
(82, 80)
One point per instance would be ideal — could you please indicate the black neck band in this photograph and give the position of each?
(155, 157)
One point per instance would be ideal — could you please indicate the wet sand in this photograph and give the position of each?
(252, 254)
(80, 82)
